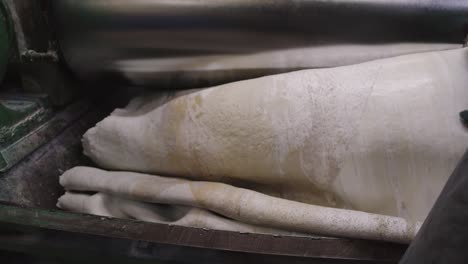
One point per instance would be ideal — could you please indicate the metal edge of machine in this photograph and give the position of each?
(34, 84)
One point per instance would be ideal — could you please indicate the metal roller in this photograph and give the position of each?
(146, 42)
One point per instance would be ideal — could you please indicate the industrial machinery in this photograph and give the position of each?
(65, 64)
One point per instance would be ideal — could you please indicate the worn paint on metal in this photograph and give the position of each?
(20, 118)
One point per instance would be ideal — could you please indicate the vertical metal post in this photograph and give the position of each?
(443, 237)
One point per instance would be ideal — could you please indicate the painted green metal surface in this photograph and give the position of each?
(20, 117)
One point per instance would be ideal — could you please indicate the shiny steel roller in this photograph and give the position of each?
(151, 42)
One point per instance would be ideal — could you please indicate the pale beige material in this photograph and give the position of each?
(113, 206)
(380, 137)
(240, 204)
